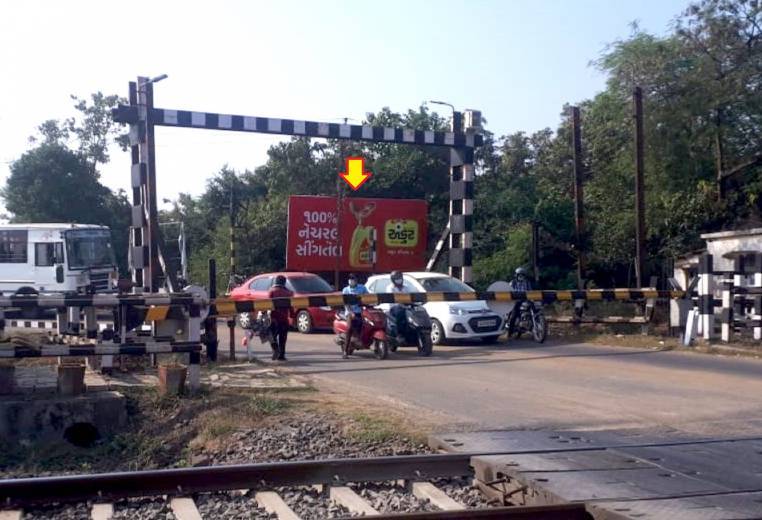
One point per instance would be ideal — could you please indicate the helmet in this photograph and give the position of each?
(352, 279)
(520, 271)
(397, 277)
(280, 281)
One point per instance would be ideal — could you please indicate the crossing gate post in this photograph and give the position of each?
(579, 212)
(727, 315)
(147, 156)
(462, 175)
(210, 324)
(738, 301)
(706, 296)
(138, 257)
(757, 283)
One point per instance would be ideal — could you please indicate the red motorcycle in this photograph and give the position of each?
(371, 335)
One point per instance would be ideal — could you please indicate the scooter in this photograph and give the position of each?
(372, 334)
(414, 328)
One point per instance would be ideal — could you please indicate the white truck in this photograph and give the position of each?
(56, 258)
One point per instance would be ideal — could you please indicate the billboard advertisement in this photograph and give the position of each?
(394, 228)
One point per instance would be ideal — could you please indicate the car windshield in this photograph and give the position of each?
(89, 248)
(444, 284)
(309, 284)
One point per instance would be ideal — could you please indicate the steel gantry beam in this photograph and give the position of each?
(145, 251)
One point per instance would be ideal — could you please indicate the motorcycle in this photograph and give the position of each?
(531, 319)
(412, 328)
(255, 325)
(372, 334)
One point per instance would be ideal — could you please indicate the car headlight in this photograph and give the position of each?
(456, 310)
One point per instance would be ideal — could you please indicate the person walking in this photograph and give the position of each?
(279, 318)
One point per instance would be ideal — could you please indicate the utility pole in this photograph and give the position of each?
(336, 272)
(536, 252)
(231, 217)
(231, 280)
(640, 209)
(579, 216)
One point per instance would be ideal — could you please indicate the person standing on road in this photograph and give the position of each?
(353, 312)
(279, 317)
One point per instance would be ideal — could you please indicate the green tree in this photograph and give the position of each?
(52, 183)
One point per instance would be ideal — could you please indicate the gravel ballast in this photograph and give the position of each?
(307, 439)
(143, 509)
(56, 511)
(390, 498)
(231, 506)
(462, 491)
(308, 503)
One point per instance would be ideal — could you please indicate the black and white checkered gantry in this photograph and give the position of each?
(269, 125)
(149, 271)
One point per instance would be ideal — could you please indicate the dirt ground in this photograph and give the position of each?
(167, 432)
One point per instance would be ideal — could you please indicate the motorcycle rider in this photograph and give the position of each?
(397, 311)
(519, 283)
(279, 318)
(353, 312)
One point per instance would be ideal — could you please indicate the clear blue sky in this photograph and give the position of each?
(518, 61)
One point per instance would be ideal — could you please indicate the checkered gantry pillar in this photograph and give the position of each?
(706, 288)
(462, 175)
(138, 252)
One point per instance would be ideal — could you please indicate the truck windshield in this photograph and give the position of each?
(89, 248)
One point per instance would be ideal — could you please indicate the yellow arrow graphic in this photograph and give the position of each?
(354, 174)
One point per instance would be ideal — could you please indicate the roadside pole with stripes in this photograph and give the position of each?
(757, 315)
(706, 296)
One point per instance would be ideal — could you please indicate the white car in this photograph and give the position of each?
(450, 320)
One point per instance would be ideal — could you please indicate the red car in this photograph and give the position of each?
(302, 284)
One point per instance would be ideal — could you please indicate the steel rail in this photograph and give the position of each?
(183, 481)
(576, 511)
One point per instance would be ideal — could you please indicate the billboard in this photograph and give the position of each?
(395, 227)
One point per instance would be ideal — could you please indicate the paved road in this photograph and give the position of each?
(522, 384)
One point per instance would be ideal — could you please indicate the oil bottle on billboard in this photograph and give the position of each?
(363, 237)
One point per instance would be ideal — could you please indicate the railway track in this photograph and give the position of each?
(337, 488)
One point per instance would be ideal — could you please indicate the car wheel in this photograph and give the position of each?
(437, 333)
(490, 339)
(304, 322)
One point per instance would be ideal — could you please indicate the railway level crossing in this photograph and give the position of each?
(146, 260)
